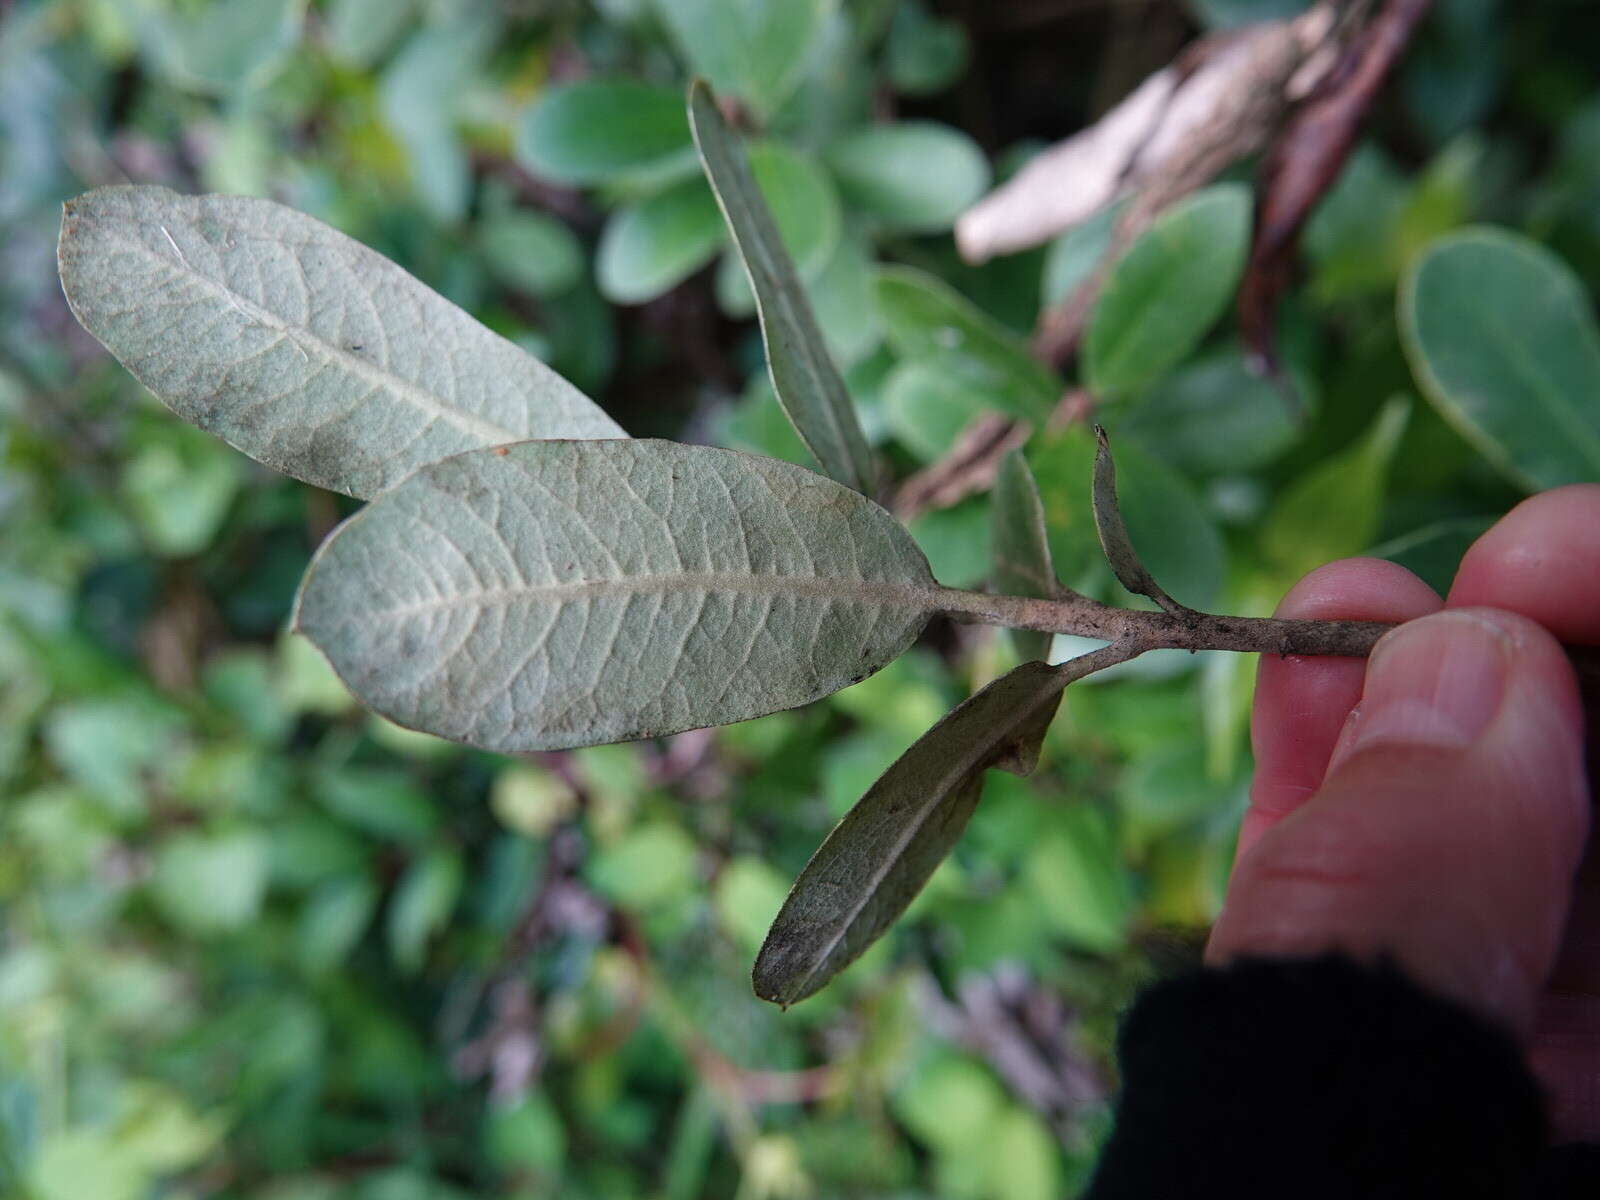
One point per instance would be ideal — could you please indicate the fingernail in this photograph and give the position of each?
(1434, 682)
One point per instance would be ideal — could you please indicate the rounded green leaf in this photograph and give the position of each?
(605, 130)
(923, 316)
(531, 251)
(555, 594)
(1168, 290)
(1502, 339)
(755, 51)
(656, 244)
(915, 175)
(296, 344)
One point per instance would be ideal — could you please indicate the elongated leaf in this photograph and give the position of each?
(297, 345)
(876, 860)
(1168, 290)
(1022, 564)
(556, 594)
(605, 131)
(807, 382)
(1503, 341)
(1114, 540)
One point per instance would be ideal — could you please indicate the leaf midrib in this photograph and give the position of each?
(1551, 395)
(912, 597)
(405, 389)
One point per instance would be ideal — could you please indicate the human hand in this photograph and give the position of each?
(1431, 804)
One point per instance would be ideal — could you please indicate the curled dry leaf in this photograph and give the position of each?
(1307, 157)
(1125, 563)
(1217, 103)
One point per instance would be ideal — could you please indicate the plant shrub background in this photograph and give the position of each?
(256, 943)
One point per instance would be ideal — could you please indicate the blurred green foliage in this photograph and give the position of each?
(255, 943)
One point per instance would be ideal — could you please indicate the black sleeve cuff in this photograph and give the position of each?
(1320, 1079)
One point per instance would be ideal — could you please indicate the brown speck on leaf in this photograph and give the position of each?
(501, 451)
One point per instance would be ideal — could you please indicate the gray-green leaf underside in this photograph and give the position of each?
(807, 382)
(298, 345)
(1021, 546)
(553, 594)
(876, 860)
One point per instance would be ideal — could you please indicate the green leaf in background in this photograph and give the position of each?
(657, 243)
(753, 49)
(360, 32)
(297, 345)
(923, 316)
(557, 594)
(1334, 511)
(179, 487)
(1021, 547)
(226, 46)
(422, 903)
(606, 131)
(651, 865)
(1076, 874)
(877, 859)
(531, 251)
(1502, 338)
(1166, 292)
(420, 93)
(1435, 551)
(335, 916)
(804, 377)
(927, 403)
(210, 883)
(924, 54)
(916, 176)
(842, 299)
(1216, 416)
(1074, 255)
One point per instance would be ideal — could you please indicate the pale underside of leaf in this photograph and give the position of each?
(554, 594)
(877, 859)
(1125, 563)
(807, 382)
(298, 345)
(1022, 562)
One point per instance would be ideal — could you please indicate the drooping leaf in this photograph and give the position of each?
(1125, 563)
(1022, 564)
(419, 95)
(298, 345)
(917, 176)
(805, 210)
(803, 374)
(923, 316)
(752, 49)
(422, 903)
(1334, 511)
(1502, 339)
(877, 859)
(1168, 290)
(556, 594)
(606, 131)
(657, 243)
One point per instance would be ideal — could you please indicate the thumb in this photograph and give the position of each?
(1449, 825)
